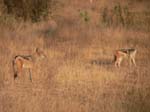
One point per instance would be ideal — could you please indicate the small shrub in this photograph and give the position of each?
(7, 20)
(85, 16)
(118, 13)
(106, 17)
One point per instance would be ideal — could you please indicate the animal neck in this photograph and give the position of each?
(34, 58)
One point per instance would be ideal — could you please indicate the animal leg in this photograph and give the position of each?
(130, 61)
(30, 75)
(133, 61)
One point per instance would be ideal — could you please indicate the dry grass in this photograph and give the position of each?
(78, 75)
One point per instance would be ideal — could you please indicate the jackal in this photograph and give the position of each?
(125, 53)
(21, 61)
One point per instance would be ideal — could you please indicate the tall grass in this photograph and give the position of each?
(123, 16)
(34, 10)
(78, 74)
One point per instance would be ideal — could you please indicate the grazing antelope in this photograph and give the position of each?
(125, 53)
(20, 62)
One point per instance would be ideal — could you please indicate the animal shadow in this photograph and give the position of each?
(101, 62)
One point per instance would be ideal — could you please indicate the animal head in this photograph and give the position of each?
(40, 54)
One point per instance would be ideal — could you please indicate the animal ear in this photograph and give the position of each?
(36, 49)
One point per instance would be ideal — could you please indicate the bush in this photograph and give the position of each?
(113, 17)
(118, 12)
(121, 16)
(34, 10)
(106, 17)
(85, 16)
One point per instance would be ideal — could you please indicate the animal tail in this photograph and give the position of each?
(14, 69)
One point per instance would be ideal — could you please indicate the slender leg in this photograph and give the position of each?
(15, 72)
(119, 64)
(19, 70)
(30, 75)
(116, 64)
(133, 61)
(130, 61)
(119, 61)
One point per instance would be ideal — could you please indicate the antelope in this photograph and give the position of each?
(125, 53)
(21, 62)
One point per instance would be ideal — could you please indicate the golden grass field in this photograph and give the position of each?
(79, 74)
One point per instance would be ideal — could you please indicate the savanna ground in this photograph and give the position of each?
(78, 74)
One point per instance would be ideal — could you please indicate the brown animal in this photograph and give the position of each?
(125, 53)
(21, 62)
